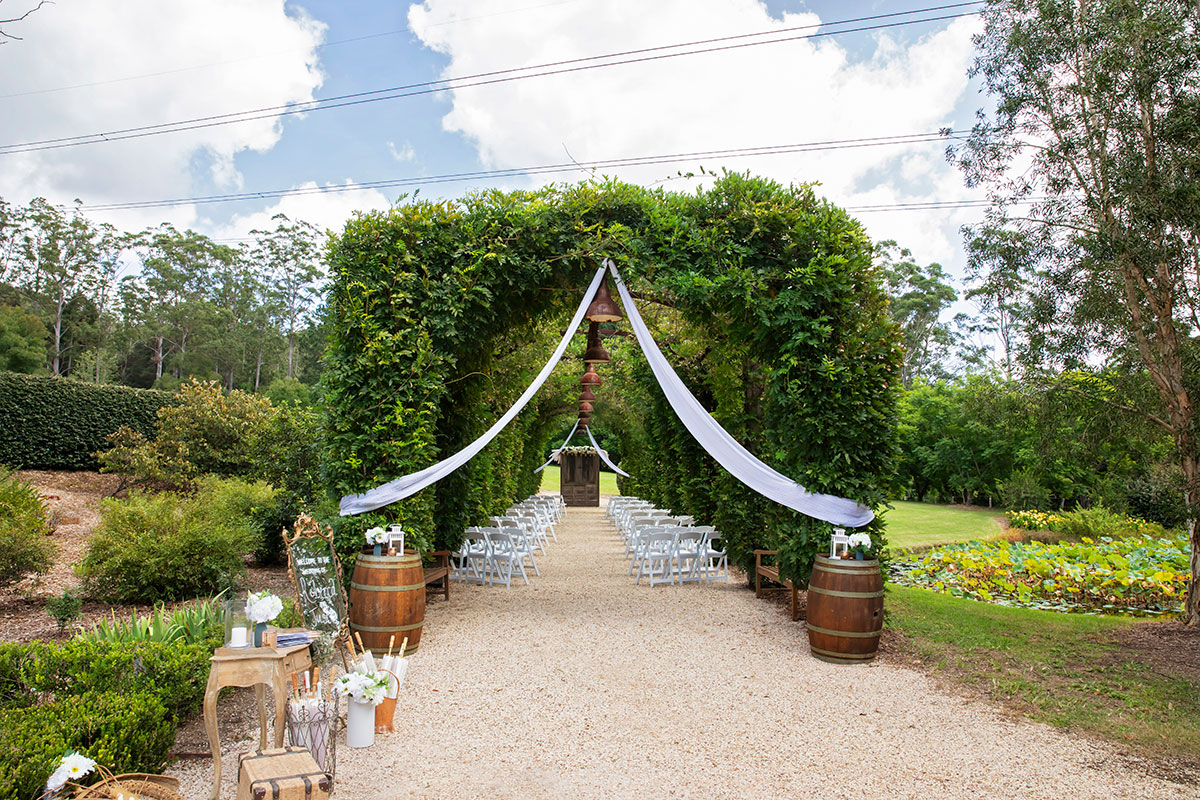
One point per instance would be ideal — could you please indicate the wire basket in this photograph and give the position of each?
(129, 784)
(313, 724)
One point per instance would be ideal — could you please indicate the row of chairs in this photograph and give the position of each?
(492, 554)
(667, 548)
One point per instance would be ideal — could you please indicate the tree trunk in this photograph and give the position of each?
(258, 366)
(158, 357)
(1191, 475)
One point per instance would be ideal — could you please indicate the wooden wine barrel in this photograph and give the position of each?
(845, 610)
(387, 596)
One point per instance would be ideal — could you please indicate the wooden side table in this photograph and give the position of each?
(257, 667)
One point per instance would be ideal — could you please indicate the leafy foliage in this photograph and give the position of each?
(22, 340)
(437, 313)
(1142, 573)
(169, 546)
(197, 623)
(24, 547)
(51, 423)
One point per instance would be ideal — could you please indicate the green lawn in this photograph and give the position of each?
(924, 524)
(550, 480)
(1069, 670)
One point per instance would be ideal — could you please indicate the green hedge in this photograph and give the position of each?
(174, 671)
(53, 423)
(118, 703)
(129, 732)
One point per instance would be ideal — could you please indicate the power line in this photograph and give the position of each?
(488, 78)
(543, 169)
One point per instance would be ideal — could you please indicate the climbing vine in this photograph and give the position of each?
(763, 296)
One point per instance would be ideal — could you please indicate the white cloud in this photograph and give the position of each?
(800, 91)
(403, 153)
(327, 211)
(141, 62)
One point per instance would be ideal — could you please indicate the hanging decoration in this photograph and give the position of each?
(726, 450)
(408, 485)
(604, 456)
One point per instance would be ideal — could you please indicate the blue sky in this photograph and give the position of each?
(136, 62)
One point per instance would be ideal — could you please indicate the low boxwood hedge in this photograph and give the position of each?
(55, 423)
(116, 702)
(130, 732)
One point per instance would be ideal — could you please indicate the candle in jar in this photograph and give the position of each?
(237, 637)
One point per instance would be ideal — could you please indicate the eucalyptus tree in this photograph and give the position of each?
(291, 255)
(918, 298)
(1094, 146)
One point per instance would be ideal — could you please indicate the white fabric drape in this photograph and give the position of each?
(566, 441)
(724, 448)
(604, 455)
(409, 485)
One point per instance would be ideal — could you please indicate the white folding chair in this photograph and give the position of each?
(504, 558)
(708, 554)
(656, 558)
(688, 542)
(473, 557)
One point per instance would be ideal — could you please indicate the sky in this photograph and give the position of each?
(83, 68)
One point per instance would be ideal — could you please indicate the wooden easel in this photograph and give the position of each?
(320, 592)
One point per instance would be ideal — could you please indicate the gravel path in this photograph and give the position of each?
(583, 685)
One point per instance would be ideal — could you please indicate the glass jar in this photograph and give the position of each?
(237, 626)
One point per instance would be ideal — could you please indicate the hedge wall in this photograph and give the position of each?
(53, 423)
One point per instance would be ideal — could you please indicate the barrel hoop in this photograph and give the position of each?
(843, 656)
(391, 563)
(866, 562)
(848, 634)
(373, 629)
(367, 588)
(823, 568)
(836, 593)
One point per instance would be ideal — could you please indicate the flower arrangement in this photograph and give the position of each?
(579, 450)
(363, 688)
(860, 544)
(72, 767)
(376, 536)
(262, 607)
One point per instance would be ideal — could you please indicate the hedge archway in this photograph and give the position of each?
(770, 309)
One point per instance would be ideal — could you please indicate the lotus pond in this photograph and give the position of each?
(1140, 575)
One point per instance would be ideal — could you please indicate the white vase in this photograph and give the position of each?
(360, 724)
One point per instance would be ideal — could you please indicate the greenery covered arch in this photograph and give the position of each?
(763, 296)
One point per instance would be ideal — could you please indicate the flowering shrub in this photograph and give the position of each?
(1132, 573)
(1034, 520)
(1094, 522)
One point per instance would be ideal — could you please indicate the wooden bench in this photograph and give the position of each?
(771, 572)
(439, 571)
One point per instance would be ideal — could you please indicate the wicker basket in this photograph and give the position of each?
(129, 785)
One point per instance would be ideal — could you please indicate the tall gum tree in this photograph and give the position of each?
(1094, 144)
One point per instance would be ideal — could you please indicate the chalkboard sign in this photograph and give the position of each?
(318, 585)
(317, 576)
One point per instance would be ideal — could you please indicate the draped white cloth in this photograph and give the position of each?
(409, 485)
(566, 441)
(604, 455)
(724, 448)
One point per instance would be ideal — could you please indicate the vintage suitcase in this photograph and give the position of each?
(282, 773)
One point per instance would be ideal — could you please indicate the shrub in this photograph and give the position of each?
(24, 548)
(1023, 491)
(65, 608)
(129, 732)
(207, 432)
(173, 671)
(1158, 497)
(53, 423)
(149, 548)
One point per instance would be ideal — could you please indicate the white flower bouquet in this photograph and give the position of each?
(377, 536)
(860, 543)
(363, 688)
(262, 606)
(72, 767)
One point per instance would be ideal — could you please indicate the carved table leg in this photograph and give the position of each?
(260, 694)
(280, 708)
(210, 726)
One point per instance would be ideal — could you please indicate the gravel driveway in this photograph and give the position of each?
(582, 685)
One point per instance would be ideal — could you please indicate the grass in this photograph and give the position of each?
(1064, 669)
(923, 524)
(550, 480)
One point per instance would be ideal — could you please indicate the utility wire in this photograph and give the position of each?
(544, 169)
(489, 78)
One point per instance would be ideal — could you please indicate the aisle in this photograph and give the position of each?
(583, 685)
